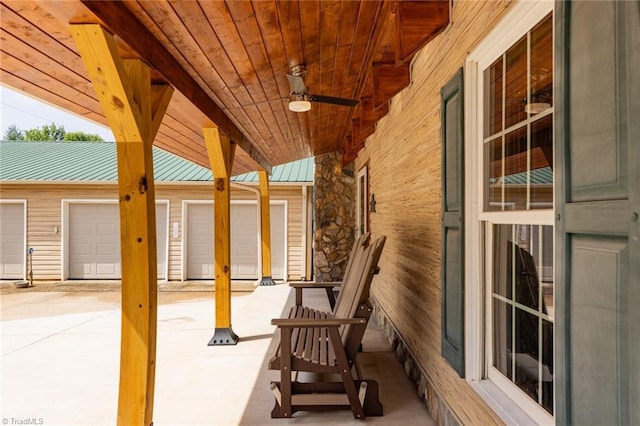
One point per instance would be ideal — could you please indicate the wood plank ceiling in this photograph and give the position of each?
(228, 61)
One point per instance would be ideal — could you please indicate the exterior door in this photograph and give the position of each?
(12, 241)
(598, 202)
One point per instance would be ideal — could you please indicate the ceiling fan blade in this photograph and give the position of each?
(333, 100)
(297, 84)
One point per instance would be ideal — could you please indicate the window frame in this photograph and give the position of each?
(521, 19)
(363, 173)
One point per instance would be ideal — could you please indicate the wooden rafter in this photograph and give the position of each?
(388, 81)
(417, 22)
(125, 24)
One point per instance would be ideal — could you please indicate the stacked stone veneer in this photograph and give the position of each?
(440, 411)
(334, 217)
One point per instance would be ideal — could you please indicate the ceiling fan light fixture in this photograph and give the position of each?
(536, 107)
(299, 103)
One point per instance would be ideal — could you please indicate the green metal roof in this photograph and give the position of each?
(96, 161)
(542, 176)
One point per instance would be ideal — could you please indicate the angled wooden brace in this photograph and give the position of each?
(221, 151)
(134, 108)
(265, 223)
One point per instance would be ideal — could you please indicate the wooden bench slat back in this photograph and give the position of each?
(357, 290)
(356, 251)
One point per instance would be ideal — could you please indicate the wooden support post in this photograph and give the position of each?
(221, 151)
(265, 223)
(134, 109)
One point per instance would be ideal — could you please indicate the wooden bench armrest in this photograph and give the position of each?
(315, 323)
(328, 287)
(315, 284)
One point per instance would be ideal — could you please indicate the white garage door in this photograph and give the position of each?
(94, 241)
(12, 250)
(244, 241)
(278, 237)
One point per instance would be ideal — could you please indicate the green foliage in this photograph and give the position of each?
(13, 134)
(82, 136)
(48, 133)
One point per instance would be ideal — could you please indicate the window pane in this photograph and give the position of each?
(527, 361)
(547, 365)
(494, 182)
(526, 271)
(493, 97)
(522, 266)
(502, 320)
(542, 66)
(542, 163)
(502, 247)
(515, 170)
(516, 83)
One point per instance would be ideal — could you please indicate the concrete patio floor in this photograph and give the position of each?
(60, 360)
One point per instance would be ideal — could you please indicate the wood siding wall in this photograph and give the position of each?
(404, 157)
(44, 213)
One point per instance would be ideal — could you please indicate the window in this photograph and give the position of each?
(362, 206)
(511, 148)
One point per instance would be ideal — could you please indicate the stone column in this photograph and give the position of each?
(334, 216)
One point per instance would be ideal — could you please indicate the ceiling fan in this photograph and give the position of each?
(299, 97)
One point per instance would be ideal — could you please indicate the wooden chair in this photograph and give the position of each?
(331, 287)
(327, 343)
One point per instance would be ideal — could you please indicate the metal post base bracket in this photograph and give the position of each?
(223, 336)
(267, 281)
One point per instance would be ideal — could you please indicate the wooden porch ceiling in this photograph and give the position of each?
(228, 62)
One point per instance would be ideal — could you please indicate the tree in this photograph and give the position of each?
(13, 134)
(82, 136)
(48, 132)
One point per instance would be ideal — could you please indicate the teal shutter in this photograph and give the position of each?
(597, 51)
(452, 223)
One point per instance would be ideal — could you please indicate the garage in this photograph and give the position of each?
(245, 254)
(94, 240)
(12, 241)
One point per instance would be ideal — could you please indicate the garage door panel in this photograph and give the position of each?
(107, 229)
(12, 250)
(278, 238)
(106, 249)
(94, 240)
(199, 247)
(244, 241)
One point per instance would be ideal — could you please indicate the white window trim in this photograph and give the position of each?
(513, 408)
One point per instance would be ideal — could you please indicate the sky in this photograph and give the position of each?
(27, 113)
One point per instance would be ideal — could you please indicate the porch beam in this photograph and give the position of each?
(265, 223)
(127, 26)
(221, 152)
(134, 108)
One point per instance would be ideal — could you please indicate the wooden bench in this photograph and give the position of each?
(327, 344)
(332, 287)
